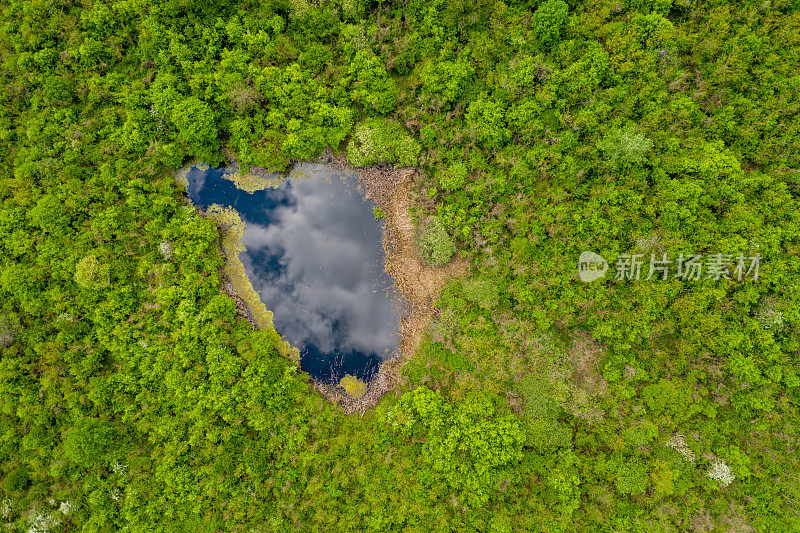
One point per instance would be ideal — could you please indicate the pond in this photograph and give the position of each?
(314, 256)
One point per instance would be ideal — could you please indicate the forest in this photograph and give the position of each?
(134, 397)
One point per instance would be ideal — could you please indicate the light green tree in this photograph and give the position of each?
(623, 147)
(90, 273)
(436, 246)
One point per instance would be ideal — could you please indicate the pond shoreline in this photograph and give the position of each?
(417, 284)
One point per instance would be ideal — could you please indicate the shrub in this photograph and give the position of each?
(483, 292)
(87, 441)
(632, 478)
(455, 177)
(382, 141)
(486, 119)
(17, 480)
(9, 324)
(768, 316)
(353, 386)
(721, 472)
(435, 244)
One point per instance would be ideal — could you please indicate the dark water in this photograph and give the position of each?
(314, 256)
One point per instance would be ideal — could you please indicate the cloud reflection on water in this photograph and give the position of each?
(314, 255)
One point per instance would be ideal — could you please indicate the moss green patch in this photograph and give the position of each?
(353, 386)
(253, 182)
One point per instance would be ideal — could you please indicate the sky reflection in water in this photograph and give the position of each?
(314, 255)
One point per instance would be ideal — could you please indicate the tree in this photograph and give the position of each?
(382, 141)
(548, 20)
(631, 477)
(468, 443)
(624, 147)
(17, 480)
(90, 273)
(88, 441)
(198, 128)
(455, 177)
(485, 119)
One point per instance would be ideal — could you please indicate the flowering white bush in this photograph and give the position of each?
(117, 467)
(768, 317)
(40, 522)
(623, 147)
(5, 508)
(678, 442)
(66, 507)
(166, 250)
(721, 472)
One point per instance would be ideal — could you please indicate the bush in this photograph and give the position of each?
(483, 292)
(486, 119)
(632, 478)
(17, 480)
(455, 177)
(382, 141)
(435, 244)
(353, 386)
(9, 324)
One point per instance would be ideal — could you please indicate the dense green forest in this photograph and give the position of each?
(133, 397)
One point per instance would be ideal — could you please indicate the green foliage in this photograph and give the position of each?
(666, 397)
(631, 478)
(548, 21)
(486, 120)
(541, 411)
(624, 147)
(483, 292)
(455, 177)
(372, 86)
(645, 6)
(446, 80)
(88, 441)
(502, 106)
(17, 480)
(641, 433)
(470, 444)
(197, 127)
(377, 141)
(435, 245)
(90, 273)
(353, 386)
(663, 480)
